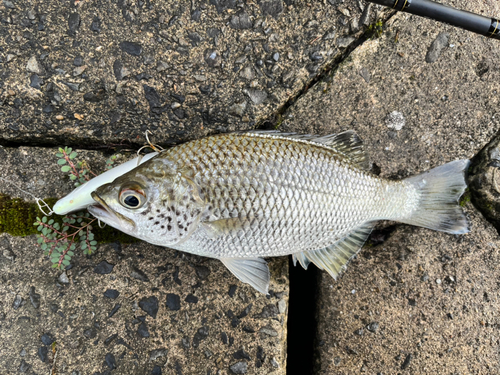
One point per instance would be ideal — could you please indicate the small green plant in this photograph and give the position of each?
(59, 241)
(465, 198)
(375, 30)
(110, 162)
(60, 237)
(78, 171)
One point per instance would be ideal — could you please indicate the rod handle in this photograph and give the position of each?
(489, 27)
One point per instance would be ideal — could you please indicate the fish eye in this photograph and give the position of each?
(132, 198)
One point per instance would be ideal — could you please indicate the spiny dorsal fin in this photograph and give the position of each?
(335, 257)
(349, 144)
(346, 143)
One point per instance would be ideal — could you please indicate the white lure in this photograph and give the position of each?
(80, 198)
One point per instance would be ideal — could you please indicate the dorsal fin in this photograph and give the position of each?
(347, 143)
(334, 258)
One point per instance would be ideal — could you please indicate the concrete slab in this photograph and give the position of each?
(422, 302)
(411, 115)
(86, 73)
(157, 308)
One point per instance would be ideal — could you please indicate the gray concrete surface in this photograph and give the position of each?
(449, 108)
(35, 170)
(422, 302)
(88, 73)
(205, 321)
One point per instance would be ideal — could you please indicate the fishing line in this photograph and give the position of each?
(37, 200)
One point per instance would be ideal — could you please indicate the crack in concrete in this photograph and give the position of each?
(274, 120)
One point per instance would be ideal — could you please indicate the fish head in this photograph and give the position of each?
(155, 206)
(120, 203)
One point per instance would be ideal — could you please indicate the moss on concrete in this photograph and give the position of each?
(465, 198)
(17, 217)
(375, 30)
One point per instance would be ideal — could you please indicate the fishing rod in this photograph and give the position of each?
(489, 27)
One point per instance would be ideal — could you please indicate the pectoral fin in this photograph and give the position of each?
(253, 271)
(221, 227)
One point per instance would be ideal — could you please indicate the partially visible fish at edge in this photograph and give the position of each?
(241, 197)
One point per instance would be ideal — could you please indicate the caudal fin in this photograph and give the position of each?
(440, 188)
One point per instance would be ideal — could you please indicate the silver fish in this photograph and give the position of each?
(243, 196)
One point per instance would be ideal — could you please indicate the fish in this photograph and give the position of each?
(243, 197)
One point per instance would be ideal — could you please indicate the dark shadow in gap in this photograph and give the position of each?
(301, 319)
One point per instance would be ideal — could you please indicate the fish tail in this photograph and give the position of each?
(439, 190)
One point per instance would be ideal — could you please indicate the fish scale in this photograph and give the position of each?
(305, 188)
(244, 196)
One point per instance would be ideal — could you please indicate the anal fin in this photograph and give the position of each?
(334, 258)
(304, 262)
(253, 271)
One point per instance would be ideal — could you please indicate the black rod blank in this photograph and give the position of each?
(489, 27)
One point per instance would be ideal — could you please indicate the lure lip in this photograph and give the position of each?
(103, 212)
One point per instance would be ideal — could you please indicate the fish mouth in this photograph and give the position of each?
(105, 213)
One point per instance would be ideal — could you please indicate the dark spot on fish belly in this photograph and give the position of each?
(162, 227)
(151, 218)
(157, 222)
(158, 211)
(169, 227)
(162, 216)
